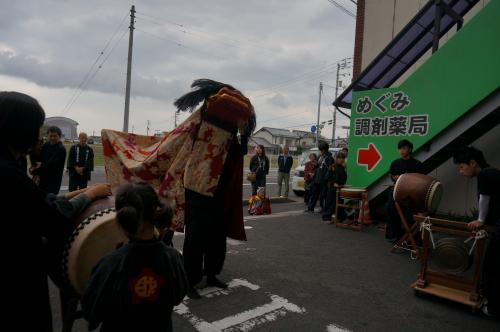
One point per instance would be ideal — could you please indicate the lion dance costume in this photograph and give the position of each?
(197, 168)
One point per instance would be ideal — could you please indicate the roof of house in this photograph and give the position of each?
(261, 141)
(289, 133)
(61, 119)
(278, 132)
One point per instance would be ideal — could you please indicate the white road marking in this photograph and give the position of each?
(274, 215)
(248, 227)
(244, 321)
(234, 242)
(336, 328)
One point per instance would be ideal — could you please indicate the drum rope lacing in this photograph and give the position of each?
(426, 225)
(480, 234)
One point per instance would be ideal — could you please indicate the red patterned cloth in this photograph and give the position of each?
(190, 157)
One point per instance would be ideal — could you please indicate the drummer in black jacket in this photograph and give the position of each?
(29, 214)
(472, 164)
(405, 164)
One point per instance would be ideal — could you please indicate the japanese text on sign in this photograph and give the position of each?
(398, 103)
(397, 125)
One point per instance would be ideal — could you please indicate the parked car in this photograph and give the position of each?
(298, 177)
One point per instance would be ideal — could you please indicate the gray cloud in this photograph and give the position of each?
(275, 51)
(278, 100)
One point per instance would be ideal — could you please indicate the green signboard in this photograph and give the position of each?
(455, 79)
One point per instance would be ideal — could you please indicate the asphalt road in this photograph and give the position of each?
(296, 273)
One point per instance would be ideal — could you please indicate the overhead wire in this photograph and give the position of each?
(94, 73)
(85, 80)
(342, 8)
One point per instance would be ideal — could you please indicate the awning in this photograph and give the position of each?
(416, 38)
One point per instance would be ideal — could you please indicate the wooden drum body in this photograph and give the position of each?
(418, 192)
(352, 193)
(96, 234)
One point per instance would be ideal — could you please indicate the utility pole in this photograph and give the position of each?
(129, 69)
(147, 127)
(334, 109)
(319, 111)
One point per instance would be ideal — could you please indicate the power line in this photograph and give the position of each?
(94, 73)
(342, 8)
(87, 75)
(197, 32)
(307, 76)
(175, 41)
(181, 28)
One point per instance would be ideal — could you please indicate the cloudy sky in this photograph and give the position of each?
(275, 51)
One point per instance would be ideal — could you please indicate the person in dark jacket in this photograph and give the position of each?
(50, 165)
(472, 164)
(80, 164)
(29, 214)
(319, 185)
(405, 164)
(136, 287)
(337, 177)
(309, 170)
(285, 163)
(260, 165)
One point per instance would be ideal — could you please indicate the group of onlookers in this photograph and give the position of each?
(324, 175)
(48, 159)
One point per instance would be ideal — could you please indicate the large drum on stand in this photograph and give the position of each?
(418, 192)
(96, 234)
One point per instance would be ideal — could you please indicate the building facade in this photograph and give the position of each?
(377, 23)
(67, 126)
(290, 138)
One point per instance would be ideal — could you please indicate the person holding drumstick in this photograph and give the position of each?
(28, 216)
(405, 164)
(472, 164)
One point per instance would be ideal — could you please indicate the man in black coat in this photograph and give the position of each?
(80, 164)
(320, 181)
(50, 163)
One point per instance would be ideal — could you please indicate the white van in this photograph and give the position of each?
(298, 177)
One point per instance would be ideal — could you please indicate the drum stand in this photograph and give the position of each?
(450, 286)
(408, 237)
(358, 207)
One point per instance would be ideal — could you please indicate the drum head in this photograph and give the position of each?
(95, 237)
(452, 255)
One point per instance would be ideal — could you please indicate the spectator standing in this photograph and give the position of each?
(337, 177)
(309, 170)
(319, 187)
(259, 164)
(49, 167)
(285, 162)
(80, 164)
